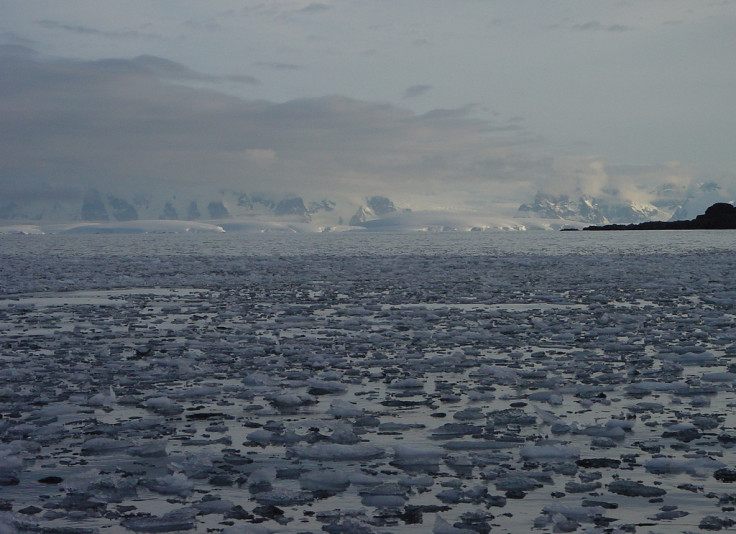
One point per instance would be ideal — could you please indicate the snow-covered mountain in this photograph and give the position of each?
(95, 211)
(93, 205)
(665, 202)
(699, 198)
(590, 209)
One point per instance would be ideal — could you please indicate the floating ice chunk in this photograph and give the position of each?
(163, 406)
(719, 377)
(700, 401)
(413, 456)
(290, 400)
(517, 482)
(181, 519)
(247, 529)
(549, 452)
(613, 432)
(197, 465)
(383, 501)
(547, 417)
(386, 488)
(150, 449)
(55, 410)
(213, 505)
(642, 407)
(631, 488)
(338, 452)
(577, 513)
(327, 480)
(481, 445)
(649, 386)
(424, 481)
(407, 383)
(284, 497)
(678, 427)
(10, 460)
(364, 479)
(263, 476)
(111, 488)
(472, 413)
(195, 392)
(104, 445)
(105, 399)
(323, 387)
(259, 379)
(625, 424)
(690, 358)
(449, 430)
(343, 408)
(443, 527)
(697, 467)
(344, 434)
(145, 423)
(503, 375)
(176, 484)
(551, 397)
(261, 437)
(480, 396)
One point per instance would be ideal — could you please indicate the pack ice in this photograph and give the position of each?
(345, 393)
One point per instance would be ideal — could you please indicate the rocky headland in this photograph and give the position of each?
(719, 216)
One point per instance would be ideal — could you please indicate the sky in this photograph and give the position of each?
(441, 103)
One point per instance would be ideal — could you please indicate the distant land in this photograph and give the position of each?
(719, 216)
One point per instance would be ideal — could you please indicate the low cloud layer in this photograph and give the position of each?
(122, 124)
(151, 125)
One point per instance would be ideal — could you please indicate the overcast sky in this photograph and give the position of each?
(443, 102)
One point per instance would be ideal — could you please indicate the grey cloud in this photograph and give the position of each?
(86, 30)
(38, 193)
(118, 125)
(315, 8)
(278, 66)
(417, 90)
(16, 50)
(13, 39)
(594, 25)
(167, 69)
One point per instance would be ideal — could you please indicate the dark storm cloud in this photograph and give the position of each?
(417, 90)
(118, 124)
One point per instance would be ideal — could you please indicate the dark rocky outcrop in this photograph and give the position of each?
(193, 211)
(291, 206)
(720, 216)
(93, 208)
(169, 212)
(217, 210)
(122, 210)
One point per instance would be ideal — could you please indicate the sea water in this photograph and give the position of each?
(539, 381)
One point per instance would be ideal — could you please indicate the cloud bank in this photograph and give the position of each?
(150, 125)
(148, 122)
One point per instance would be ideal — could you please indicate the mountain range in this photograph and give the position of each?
(667, 203)
(96, 210)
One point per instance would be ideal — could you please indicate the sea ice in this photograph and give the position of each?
(292, 390)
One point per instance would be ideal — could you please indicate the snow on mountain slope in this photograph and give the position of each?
(590, 209)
